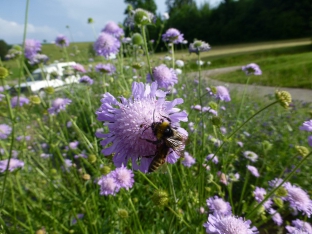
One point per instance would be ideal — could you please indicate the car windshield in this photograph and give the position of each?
(35, 77)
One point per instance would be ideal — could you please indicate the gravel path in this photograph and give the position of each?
(255, 90)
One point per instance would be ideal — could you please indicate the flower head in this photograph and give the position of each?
(299, 225)
(188, 160)
(141, 17)
(38, 58)
(214, 158)
(306, 126)
(86, 80)
(253, 170)
(283, 97)
(3, 72)
(230, 224)
(276, 217)
(218, 206)
(5, 131)
(73, 145)
(299, 199)
(259, 195)
(62, 41)
(179, 63)
(251, 156)
(123, 178)
(105, 68)
(19, 101)
(108, 185)
(79, 68)
(164, 76)
(173, 35)
(113, 29)
(252, 68)
(199, 46)
(106, 44)
(32, 47)
(129, 121)
(58, 105)
(14, 164)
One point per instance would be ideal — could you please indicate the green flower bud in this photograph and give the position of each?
(137, 39)
(216, 120)
(284, 98)
(41, 231)
(105, 170)
(137, 66)
(143, 17)
(278, 201)
(90, 21)
(213, 105)
(281, 192)
(3, 72)
(267, 145)
(86, 177)
(49, 90)
(122, 213)
(92, 158)
(35, 100)
(303, 151)
(160, 198)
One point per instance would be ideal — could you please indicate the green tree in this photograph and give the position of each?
(4, 47)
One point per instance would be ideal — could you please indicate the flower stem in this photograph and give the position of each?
(136, 215)
(146, 51)
(172, 52)
(171, 185)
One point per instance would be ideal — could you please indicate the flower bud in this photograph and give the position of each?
(137, 66)
(281, 192)
(86, 177)
(92, 158)
(122, 213)
(49, 90)
(143, 17)
(137, 39)
(284, 98)
(303, 151)
(35, 100)
(160, 198)
(216, 120)
(279, 202)
(3, 72)
(105, 170)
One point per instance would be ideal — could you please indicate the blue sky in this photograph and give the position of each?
(48, 18)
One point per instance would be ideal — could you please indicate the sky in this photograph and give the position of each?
(48, 18)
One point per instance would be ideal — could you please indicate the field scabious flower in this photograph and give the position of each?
(214, 158)
(112, 28)
(19, 101)
(164, 76)
(252, 68)
(298, 199)
(58, 105)
(276, 217)
(14, 164)
(86, 80)
(5, 131)
(251, 156)
(173, 35)
(79, 68)
(306, 126)
(253, 170)
(259, 195)
(129, 121)
(199, 46)
(230, 224)
(62, 41)
(188, 160)
(106, 44)
(123, 178)
(299, 225)
(218, 206)
(32, 47)
(108, 185)
(105, 68)
(220, 93)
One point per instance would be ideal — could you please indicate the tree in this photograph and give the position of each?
(4, 47)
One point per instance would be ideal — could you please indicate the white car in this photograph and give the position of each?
(54, 75)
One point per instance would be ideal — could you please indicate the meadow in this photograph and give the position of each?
(79, 157)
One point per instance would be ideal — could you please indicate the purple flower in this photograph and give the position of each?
(299, 225)
(123, 178)
(252, 68)
(79, 216)
(164, 76)
(106, 44)
(129, 121)
(19, 101)
(214, 158)
(173, 35)
(32, 47)
(251, 156)
(14, 164)
(218, 206)
(38, 58)
(188, 160)
(240, 144)
(218, 224)
(277, 218)
(223, 94)
(310, 141)
(79, 68)
(306, 126)
(58, 105)
(199, 46)
(108, 185)
(61, 41)
(5, 131)
(113, 29)
(298, 199)
(105, 68)
(73, 145)
(86, 80)
(253, 170)
(259, 195)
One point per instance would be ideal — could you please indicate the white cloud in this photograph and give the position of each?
(12, 32)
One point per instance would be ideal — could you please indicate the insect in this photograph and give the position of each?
(168, 137)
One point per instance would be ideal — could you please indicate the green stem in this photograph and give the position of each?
(277, 187)
(136, 215)
(146, 51)
(178, 216)
(172, 185)
(148, 180)
(172, 52)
